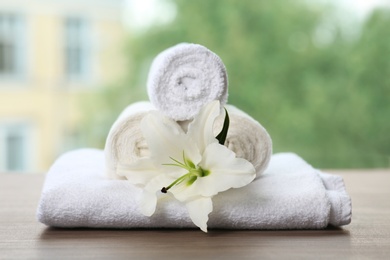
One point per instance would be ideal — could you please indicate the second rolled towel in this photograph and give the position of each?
(184, 78)
(125, 142)
(246, 137)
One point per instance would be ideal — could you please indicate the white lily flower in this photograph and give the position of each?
(192, 166)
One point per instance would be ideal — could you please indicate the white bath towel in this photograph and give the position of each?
(184, 78)
(289, 195)
(125, 142)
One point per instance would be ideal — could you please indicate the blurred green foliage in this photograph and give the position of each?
(327, 101)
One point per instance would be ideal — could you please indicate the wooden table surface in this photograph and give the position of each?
(367, 237)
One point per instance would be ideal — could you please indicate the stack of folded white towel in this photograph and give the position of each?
(82, 188)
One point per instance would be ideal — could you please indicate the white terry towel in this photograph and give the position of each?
(185, 77)
(289, 195)
(125, 142)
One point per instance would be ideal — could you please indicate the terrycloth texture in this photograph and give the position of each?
(125, 142)
(289, 195)
(247, 138)
(185, 77)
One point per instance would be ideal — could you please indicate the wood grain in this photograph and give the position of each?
(367, 237)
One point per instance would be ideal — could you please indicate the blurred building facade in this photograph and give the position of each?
(52, 54)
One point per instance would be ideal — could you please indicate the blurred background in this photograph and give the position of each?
(314, 73)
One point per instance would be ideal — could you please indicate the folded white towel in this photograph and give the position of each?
(184, 78)
(289, 195)
(125, 142)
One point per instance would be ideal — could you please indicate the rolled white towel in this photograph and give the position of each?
(125, 142)
(247, 138)
(184, 78)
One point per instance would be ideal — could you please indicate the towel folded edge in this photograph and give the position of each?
(341, 203)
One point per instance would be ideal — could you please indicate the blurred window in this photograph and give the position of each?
(11, 40)
(14, 144)
(77, 48)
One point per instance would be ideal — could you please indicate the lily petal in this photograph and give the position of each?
(226, 171)
(201, 128)
(166, 139)
(139, 172)
(149, 196)
(148, 203)
(199, 210)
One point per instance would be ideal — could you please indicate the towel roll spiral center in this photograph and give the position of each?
(189, 86)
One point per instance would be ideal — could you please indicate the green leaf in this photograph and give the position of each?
(222, 135)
